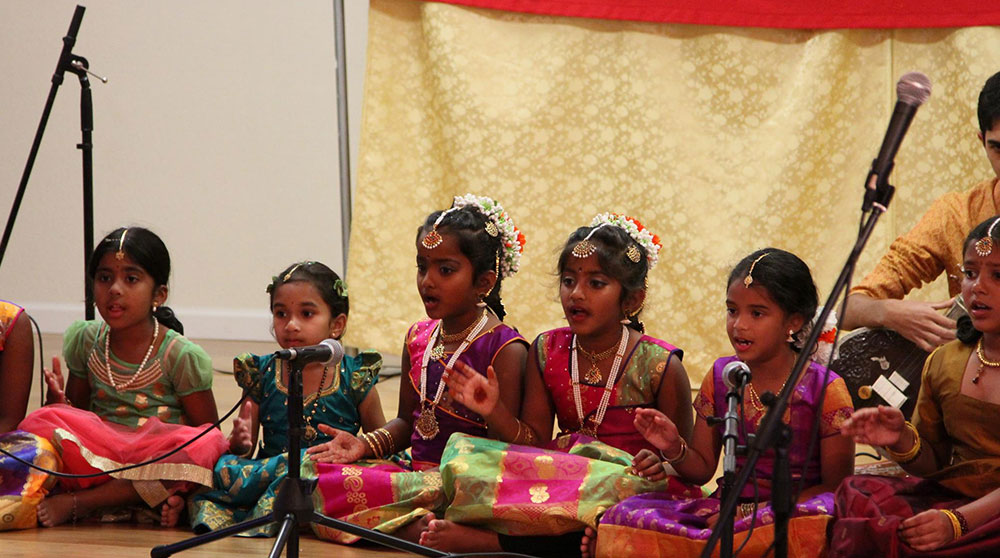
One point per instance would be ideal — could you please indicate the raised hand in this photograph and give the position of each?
(56, 383)
(477, 392)
(876, 426)
(343, 448)
(658, 430)
(648, 465)
(927, 530)
(241, 438)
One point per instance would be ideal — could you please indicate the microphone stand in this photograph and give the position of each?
(730, 438)
(68, 62)
(773, 432)
(293, 507)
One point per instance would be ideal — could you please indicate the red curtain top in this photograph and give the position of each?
(793, 14)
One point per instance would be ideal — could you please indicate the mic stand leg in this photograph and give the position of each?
(781, 493)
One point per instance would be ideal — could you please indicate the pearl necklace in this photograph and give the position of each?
(135, 376)
(602, 407)
(427, 424)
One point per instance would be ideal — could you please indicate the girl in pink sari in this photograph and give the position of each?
(592, 376)
(135, 391)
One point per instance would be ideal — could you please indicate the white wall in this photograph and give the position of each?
(217, 130)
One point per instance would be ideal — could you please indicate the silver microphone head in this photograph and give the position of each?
(913, 88)
(732, 370)
(336, 351)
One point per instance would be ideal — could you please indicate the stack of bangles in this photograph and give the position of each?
(380, 442)
(959, 525)
(681, 454)
(910, 455)
(746, 509)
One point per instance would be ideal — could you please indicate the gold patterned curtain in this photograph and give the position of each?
(721, 140)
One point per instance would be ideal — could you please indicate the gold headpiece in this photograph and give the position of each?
(585, 248)
(433, 239)
(984, 246)
(748, 280)
(291, 271)
(633, 253)
(120, 254)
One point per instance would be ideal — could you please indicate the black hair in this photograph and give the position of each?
(331, 287)
(966, 332)
(149, 252)
(988, 109)
(612, 245)
(787, 280)
(484, 251)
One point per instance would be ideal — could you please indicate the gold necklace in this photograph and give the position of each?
(593, 375)
(437, 352)
(310, 432)
(756, 402)
(983, 361)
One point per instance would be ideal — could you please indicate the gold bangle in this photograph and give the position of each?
(956, 526)
(378, 442)
(681, 454)
(371, 445)
(529, 434)
(746, 509)
(910, 455)
(390, 444)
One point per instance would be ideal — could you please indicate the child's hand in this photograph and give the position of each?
(56, 383)
(343, 448)
(926, 530)
(477, 392)
(876, 426)
(658, 430)
(241, 439)
(648, 465)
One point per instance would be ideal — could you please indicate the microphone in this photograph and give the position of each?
(911, 91)
(736, 375)
(329, 351)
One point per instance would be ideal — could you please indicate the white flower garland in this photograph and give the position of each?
(511, 238)
(634, 228)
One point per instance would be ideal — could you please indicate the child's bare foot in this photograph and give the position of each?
(588, 544)
(170, 513)
(449, 536)
(413, 530)
(58, 509)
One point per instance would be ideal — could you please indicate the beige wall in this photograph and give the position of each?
(217, 130)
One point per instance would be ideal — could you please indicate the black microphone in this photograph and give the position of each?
(911, 91)
(736, 374)
(329, 351)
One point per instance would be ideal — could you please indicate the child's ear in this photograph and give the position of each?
(796, 322)
(159, 295)
(634, 301)
(338, 325)
(485, 282)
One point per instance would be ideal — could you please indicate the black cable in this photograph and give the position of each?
(473, 554)
(216, 424)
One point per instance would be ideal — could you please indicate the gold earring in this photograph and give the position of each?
(791, 336)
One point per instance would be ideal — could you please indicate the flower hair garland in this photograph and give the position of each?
(640, 234)
(498, 222)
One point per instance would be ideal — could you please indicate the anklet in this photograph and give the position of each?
(73, 495)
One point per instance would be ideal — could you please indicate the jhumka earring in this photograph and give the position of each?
(984, 246)
(748, 280)
(585, 248)
(120, 254)
(433, 239)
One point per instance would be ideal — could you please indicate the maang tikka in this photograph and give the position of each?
(585, 248)
(433, 239)
(120, 254)
(984, 246)
(748, 280)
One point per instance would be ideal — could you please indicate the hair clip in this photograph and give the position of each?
(748, 280)
(340, 287)
(120, 254)
(491, 228)
(633, 253)
(291, 271)
(585, 248)
(433, 239)
(984, 246)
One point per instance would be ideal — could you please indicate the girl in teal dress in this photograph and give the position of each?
(308, 304)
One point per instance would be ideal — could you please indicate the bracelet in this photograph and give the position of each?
(746, 509)
(74, 516)
(962, 522)
(390, 444)
(911, 455)
(681, 454)
(529, 435)
(367, 438)
(956, 526)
